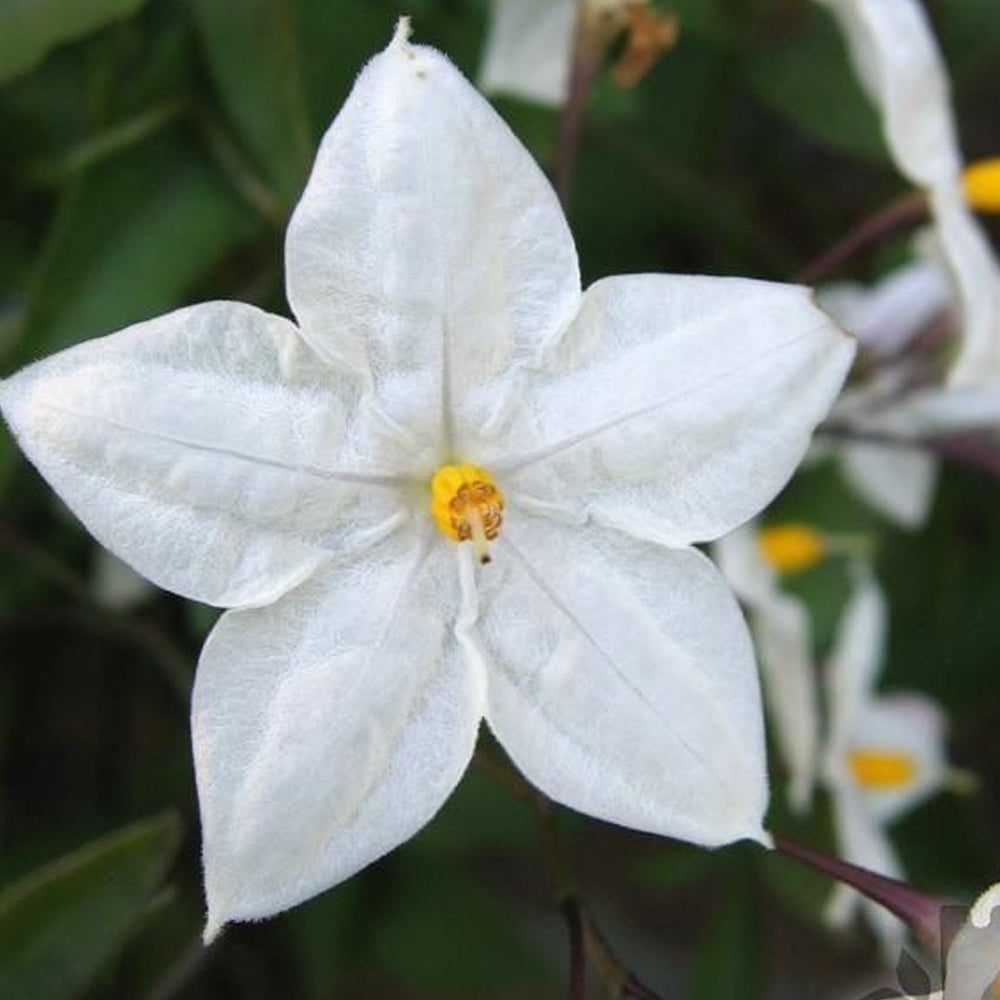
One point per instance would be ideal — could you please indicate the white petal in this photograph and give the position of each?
(201, 448)
(330, 726)
(780, 625)
(958, 410)
(528, 49)
(851, 670)
(974, 956)
(898, 482)
(897, 60)
(740, 560)
(911, 725)
(974, 265)
(863, 842)
(427, 240)
(683, 404)
(889, 315)
(622, 681)
(784, 647)
(116, 585)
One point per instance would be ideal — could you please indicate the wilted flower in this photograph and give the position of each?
(884, 753)
(319, 481)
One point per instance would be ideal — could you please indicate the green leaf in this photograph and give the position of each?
(729, 961)
(60, 925)
(252, 52)
(30, 29)
(808, 79)
(133, 239)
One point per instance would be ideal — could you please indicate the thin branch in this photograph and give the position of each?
(189, 964)
(905, 213)
(586, 62)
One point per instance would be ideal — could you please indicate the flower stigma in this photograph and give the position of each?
(467, 506)
(881, 769)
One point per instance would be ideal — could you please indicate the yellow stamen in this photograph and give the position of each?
(467, 506)
(881, 770)
(981, 181)
(791, 548)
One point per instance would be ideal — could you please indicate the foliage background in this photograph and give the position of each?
(151, 153)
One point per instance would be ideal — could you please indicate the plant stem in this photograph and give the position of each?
(906, 212)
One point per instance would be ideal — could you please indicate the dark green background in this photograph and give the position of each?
(151, 153)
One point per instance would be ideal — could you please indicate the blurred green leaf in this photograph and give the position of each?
(132, 239)
(729, 962)
(253, 56)
(30, 29)
(807, 79)
(61, 924)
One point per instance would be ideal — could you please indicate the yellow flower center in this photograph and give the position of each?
(981, 181)
(791, 548)
(881, 770)
(467, 506)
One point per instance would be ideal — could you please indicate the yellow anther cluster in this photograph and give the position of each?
(981, 181)
(881, 770)
(791, 548)
(467, 506)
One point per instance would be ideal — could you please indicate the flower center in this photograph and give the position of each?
(467, 506)
(791, 548)
(881, 770)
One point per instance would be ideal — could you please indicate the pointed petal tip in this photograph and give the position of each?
(401, 36)
(213, 928)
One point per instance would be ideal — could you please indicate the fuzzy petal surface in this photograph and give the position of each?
(428, 252)
(528, 49)
(622, 681)
(329, 727)
(674, 408)
(204, 448)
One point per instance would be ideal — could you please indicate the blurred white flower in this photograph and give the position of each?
(894, 409)
(884, 754)
(898, 63)
(116, 585)
(530, 44)
(529, 47)
(752, 559)
(973, 963)
(316, 479)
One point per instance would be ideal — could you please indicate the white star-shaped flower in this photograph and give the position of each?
(884, 754)
(898, 63)
(448, 395)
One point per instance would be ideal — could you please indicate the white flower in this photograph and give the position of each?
(974, 956)
(884, 754)
(897, 60)
(783, 636)
(529, 48)
(300, 476)
(898, 481)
